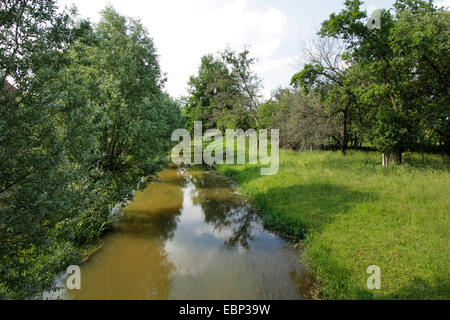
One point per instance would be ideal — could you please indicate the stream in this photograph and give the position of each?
(191, 236)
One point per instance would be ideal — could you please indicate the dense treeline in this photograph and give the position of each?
(83, 122)
(302, 120)
(384, 89)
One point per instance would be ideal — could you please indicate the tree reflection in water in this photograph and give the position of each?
(224, 209)
(133, 263)
(191, 237)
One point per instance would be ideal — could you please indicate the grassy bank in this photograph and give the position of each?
(353, 213)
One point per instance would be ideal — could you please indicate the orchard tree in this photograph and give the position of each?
(302, 119)
(399, 60)
(327, 73)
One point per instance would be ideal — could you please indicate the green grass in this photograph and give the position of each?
(353, 213)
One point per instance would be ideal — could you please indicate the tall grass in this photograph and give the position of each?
(353, 213)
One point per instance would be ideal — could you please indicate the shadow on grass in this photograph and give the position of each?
(299, 208)
(417, 289)
(427, 161)
(420, 289)
(336, 282)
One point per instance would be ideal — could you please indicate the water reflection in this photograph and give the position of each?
(224, 209)
(191, 236)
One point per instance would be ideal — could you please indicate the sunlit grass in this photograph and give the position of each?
(353, 213)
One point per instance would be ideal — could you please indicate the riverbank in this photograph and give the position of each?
(87, 250)
(352, 213)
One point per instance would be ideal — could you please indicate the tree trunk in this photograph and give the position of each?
(385, 159)
(397, 157)
(344, 133)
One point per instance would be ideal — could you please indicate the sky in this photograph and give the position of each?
(184, 30)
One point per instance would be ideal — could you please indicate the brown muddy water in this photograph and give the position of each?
(191, 236)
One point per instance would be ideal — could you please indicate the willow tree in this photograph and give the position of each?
(34, 37)
(86, 121)
(115, 85)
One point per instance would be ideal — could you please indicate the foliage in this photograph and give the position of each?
(329, 75)
(302, 120)
(84, 121)
(403, 70)
(87, 120)
(225, 93)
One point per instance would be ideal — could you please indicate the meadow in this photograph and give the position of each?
(350, 213)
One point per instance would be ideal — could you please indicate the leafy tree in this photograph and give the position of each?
(421, 48)
(86, 121)
(225, 93)
(209, 83)
(247, 82)
(33, 187)
(327, 73)
(114, 85)
(302, 119)
(404, 61)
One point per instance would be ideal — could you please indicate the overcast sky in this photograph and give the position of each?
(184, 30)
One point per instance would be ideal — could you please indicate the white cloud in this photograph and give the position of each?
(444, 3)
(183, 31)
(372, 8)
(276, 72)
